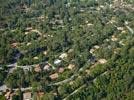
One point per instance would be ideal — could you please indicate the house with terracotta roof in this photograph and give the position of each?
(71, 66)
(54, 76)
(27, 96)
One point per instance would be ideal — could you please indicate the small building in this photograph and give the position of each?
(29, 43)
(82, 10)
(45, 52)
(86, 21)
(55, 94)
(54, 76)
(63, 55)
(26, 33)
(9, 95)
(14, 45)
(60, 70)
(92, 50)
(71, 66)
(47, 67)
(37, 68)
(26, 68)
(29, 28)
(39, 95)
(96, 47)
(102, 61)
(40, 17)
(87, 71)
(57, 61)
(89, 24)
(120, 28)
(114, 38)
(71, 82)
(35, 58)
(27, 96)
(121, 42)
(101, 6)
(123, 31)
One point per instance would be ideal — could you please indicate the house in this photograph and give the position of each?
(57, 16)
(101, 6)
(120, 28)
(37, 31)
(39, 95)
(102, 61)
(60, 70)
(57, 61)
(71, 66)
(1, 67)
(45, 52)
(107, 40)
(71, 83)
(92, 50)
(35, 58)
(98, 8)
(47, 67)
(37, 68)
(54, 76)
(123, 31)
(63, 55)
(29, 28)
(27, 96)
(14, 45)
(89, 24)
(70, 50)
(86, 21)
(9, 94)
(40, 17)
(82, 10)
(87, 71)
(26, 33)
(3, 88)
(55, 94)
(96, 47)
(121, 42)
(29, 43)
(114, 38)
(26, 68)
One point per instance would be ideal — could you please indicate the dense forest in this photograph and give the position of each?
(67, 49)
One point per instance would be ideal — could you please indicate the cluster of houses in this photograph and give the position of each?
(39, 68)
(25, 95)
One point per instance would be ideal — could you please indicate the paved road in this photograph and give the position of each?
(75, 91)
(130, 29)
(82, 86)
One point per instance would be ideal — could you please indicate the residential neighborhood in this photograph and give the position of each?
(66, 49)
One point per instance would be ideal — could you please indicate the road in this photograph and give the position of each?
(82, 86)
(75, 91)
